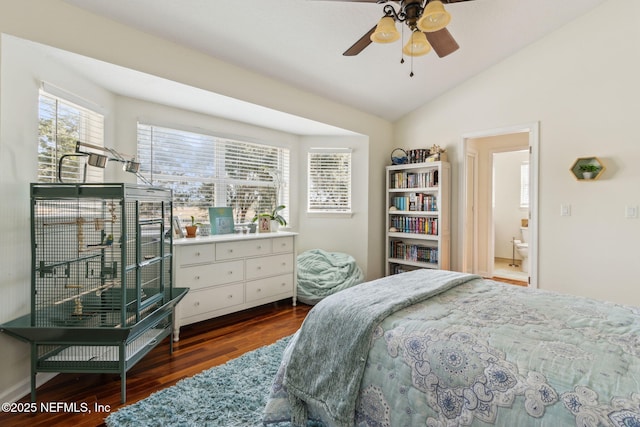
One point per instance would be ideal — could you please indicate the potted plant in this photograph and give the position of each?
(274, 217)
(193, 228)
(588, 170)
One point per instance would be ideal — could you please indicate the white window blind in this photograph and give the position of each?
(524, 185)
(329, 180)
(62, 123)
(204, 171)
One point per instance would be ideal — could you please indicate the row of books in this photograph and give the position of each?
(412, 252)
(399, 268)
(399, 180)
(416, 202)
(404, 224)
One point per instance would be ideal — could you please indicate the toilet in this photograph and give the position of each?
(522, 246)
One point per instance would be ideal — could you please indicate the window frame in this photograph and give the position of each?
(91, 129)
(524, 185)
(220, 181)
(345, 209)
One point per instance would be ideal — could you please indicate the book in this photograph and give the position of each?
(221, 219)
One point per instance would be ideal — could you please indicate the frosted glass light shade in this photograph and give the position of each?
(434, 17)
(417, 45)
(386, 31)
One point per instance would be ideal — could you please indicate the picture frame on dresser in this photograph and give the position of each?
(264, 224)
(221, 219)
(177, 227)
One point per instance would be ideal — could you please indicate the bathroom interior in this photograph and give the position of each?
(510, 214)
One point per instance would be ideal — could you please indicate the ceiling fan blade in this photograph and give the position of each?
(359, 46)
(442, 42)
(366, 1)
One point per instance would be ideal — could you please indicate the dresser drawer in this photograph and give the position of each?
(194, 254)
(269, 266)
(205, 300)
(265, 288)
(230, 250)
(282, 245)
(200, 276)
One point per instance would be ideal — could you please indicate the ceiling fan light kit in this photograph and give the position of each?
(427, 20)
(386, 31)
(417, 45)
(434, 17)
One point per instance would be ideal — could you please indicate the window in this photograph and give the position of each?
(204, 171)
(61, 124)
(524, 185)
(329, 181)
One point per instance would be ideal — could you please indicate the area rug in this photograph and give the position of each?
(229, 395)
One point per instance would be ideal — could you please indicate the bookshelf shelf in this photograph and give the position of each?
(417, 220)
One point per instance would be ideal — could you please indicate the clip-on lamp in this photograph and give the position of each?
(100, 160)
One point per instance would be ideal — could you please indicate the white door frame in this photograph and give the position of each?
(533, 129)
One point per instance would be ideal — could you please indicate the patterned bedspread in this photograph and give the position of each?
(486, 353)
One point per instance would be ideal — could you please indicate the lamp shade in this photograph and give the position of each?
(434, 17)
(417, 45)
(97, 160)
(386, 31)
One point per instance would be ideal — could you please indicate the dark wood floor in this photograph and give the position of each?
(201, 346)
(510, 281)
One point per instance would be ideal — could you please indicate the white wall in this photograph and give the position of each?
(55, 23)
(581, 83)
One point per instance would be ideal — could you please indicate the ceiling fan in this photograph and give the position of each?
(426, 19)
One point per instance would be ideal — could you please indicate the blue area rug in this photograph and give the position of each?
(233, 394)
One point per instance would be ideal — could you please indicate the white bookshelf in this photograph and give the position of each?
(418, 230)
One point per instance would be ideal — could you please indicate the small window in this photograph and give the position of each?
(60, 124)
(524, 185)
(329, 181)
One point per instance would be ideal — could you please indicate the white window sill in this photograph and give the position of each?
(329, 214)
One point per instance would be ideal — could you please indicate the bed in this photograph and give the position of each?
(438, 348)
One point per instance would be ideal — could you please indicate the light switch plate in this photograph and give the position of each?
(631, 211)
(565, 210)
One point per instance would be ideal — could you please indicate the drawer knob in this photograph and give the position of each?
(230, 272)
(196, 304)
(283, 284)
(259, 290)
(230, 251)
(197, 253)
(230, 296)
(284, 263)
(196, 278)
(259, 246)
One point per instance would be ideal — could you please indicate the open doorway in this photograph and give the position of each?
(478, 198)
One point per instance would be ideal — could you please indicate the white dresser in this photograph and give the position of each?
(232, 272)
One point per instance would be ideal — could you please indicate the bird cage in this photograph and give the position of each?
(101, 282)
(98, 258)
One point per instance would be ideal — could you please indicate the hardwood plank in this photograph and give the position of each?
(510, 281)
(201, 346)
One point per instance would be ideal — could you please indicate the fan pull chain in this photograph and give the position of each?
(402, 44)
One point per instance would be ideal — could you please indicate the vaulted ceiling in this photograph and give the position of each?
(301, 42)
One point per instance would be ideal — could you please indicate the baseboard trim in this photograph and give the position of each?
(23, 388)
